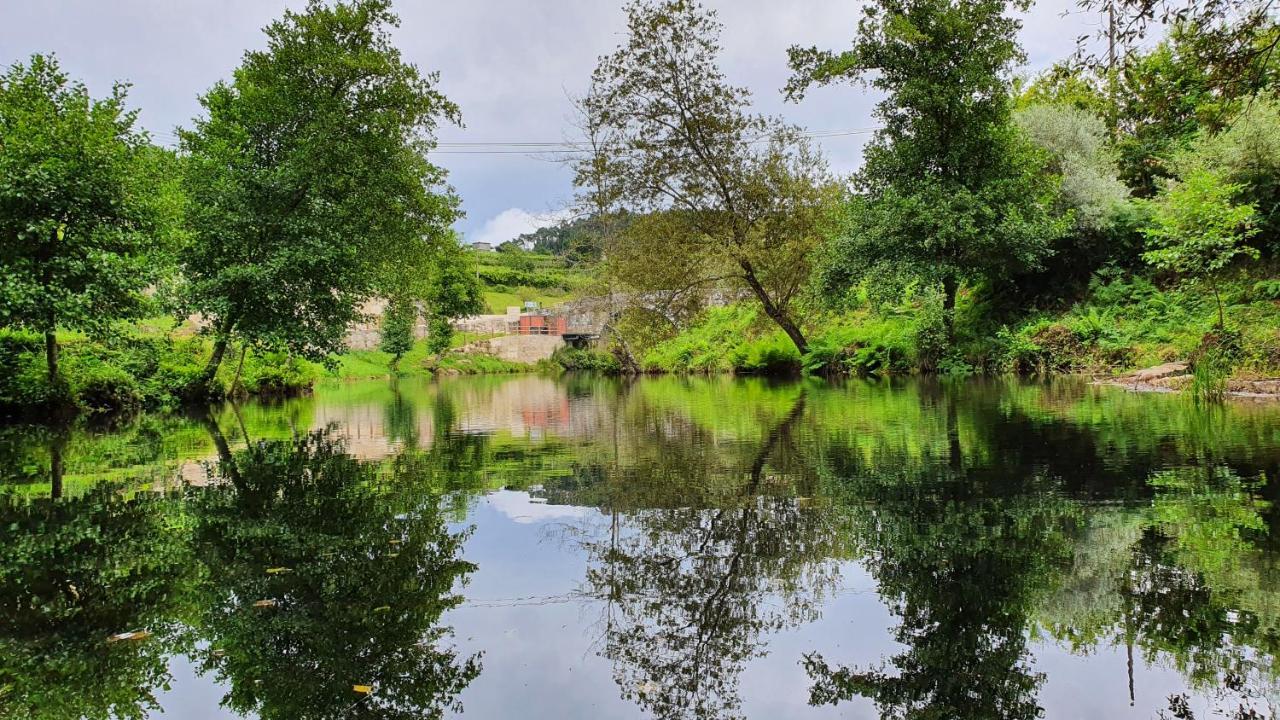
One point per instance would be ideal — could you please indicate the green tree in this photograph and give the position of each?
(949, 191)
(80, 205)
(398, 322)
(1246, 154)
(310, 182)
(744, 193)
(1079, 152)
(1197, 230)
(452, 291)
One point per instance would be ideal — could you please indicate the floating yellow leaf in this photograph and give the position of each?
(363, 689)
(384, 608)
(393, 554)
(138, 635)
(278, 570)
(265, 603)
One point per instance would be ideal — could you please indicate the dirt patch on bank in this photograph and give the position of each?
(1176, 377)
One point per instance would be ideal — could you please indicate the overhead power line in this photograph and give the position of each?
(502, 147)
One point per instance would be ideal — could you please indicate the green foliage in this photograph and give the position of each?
(949, 190)
(1077, 143)
(452, 292)
(1168, 95)
(870, 345)
(585, 359)
(577, 240)
(729, 338)
(398, 322)
(83, 205)
(309, 181)
(1197, 230)
(1246, 155)
(132, 370)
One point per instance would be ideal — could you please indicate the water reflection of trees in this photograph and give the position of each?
(325, 575)
(297, 574)
(988, 516)
(92, 590)
(690, 591)
(979, 539)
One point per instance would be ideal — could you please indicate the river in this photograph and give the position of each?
(584, 547)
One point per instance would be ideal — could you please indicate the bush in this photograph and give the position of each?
(584, 359)
(98, 386)
(275, 373)
(773, 354)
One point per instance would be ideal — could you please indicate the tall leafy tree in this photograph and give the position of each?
(398, 321)
(1197, 230)
(949, 189)
(744, 194)
(80, 204)
(310, 182)
(452, 291)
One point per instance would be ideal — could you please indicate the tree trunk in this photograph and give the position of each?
(51, 355)
(221, 340)
(239, 367)
(773, 311)
(1222, 320)
(950, 287)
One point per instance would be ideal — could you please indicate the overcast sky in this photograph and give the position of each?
(508, 63)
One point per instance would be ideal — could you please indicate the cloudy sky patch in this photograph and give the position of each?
(510, 64)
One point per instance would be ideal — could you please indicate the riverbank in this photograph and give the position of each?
(1120, 325)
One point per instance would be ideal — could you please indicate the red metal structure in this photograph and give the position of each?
(541, 325)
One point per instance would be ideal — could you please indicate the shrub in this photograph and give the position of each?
(585, 359)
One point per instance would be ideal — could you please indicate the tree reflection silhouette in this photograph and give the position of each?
(74, 572)
(325, 575)
(691, 592)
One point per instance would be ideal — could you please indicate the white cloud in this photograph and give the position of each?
(520, 507)
(512, 222)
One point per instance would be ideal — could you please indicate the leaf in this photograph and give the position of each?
(279, 570)
(135, 635)
(265, 604)
(363, 689)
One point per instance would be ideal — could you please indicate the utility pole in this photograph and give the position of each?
(1113, 118)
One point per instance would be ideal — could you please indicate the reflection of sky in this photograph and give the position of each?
(541, 640)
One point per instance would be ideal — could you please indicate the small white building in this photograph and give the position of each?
(482, 247)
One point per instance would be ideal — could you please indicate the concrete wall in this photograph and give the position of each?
(518, 348)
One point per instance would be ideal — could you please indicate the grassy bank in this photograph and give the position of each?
(138, 366)
(1121, 323)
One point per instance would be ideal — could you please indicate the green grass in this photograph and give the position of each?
(497, 301)
(511, 279)
(1122, 323)
(368, 364)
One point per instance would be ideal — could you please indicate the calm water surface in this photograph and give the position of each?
(587, 548)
